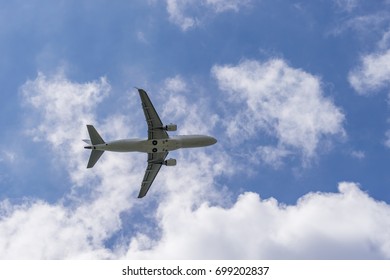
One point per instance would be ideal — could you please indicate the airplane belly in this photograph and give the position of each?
(138, 145)
(126, 145)
(156, 145)
(161, 145)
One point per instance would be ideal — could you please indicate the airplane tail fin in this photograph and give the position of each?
(96, 139)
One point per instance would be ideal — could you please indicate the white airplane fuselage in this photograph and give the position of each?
(155, 145)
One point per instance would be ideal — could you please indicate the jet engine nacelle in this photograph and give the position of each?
(170, 127)
(170, 162)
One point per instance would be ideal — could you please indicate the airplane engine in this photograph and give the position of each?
(170, 162)
(170, 127)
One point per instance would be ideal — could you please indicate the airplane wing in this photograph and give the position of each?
(155, 126)
(155, 160)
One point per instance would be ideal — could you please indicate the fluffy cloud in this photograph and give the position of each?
(176, 14)
(364, 24)
(225, 5)
(61, 111)
(319, 226)
(387, 141)
(175, 84)
(347, 5)
(63, 107)
(192, 219)
(384, 43)
(38, 230)
(78, 225)
(7, 156)
(282, 102)
(178, 10)
(195, 117)
(358, 154)
(373, 74)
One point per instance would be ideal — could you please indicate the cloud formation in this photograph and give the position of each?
(38, 230)
(279, 101)
(319, 226)
(180, 10)
(387, 141)
(195, 117)
(77, 225)
(347, 5)
(373, 74)
(193, 218)
(363, 24)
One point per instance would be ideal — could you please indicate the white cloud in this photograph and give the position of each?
(175, 84)
(8, 156)
(195, 117)
(358, 154)
(347, 5)
(387, 141)
(176, 13)
(225, 5)
(59, 101)
(319, 226)
(384, 43)
(191, 213)
(365, 24)
(181, 12)
(141, 37)
(42, 231)
(91, 213)
(62, 110)
(272, 155)
(279, 101)
(92, 209)
(373, 74)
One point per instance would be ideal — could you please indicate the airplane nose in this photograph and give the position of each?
(212, 140)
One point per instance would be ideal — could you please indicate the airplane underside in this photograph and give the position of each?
(154, 145)
(157, 146)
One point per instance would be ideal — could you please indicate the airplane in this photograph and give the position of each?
(157, 146)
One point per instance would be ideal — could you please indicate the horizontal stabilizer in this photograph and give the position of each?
(87, 141)
(96, 139)
(94, 157)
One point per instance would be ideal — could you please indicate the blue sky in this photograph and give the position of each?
(296, 92)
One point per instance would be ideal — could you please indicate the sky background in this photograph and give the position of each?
(296, 92)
